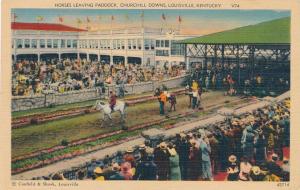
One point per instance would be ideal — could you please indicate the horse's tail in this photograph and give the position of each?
(94, 106)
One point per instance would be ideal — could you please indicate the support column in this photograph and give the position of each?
(98, 58)
(223, 49)
(238, 64)
(252, 52)
(15, 50)
(125, 61)
(58, 49)
(38, 48)
(87, 56)
(216, 56)
(205, 57)
(111, 60)
(186, 58)
(187, 63)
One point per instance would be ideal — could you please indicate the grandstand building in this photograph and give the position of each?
(146, 46)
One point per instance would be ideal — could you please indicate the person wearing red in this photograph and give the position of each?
(112, 100)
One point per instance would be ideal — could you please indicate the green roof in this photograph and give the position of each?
(269, 32)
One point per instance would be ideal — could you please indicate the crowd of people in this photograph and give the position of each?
(31, 77)
(249, 147)
(262, 80)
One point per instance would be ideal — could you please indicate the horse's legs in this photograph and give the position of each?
(103, 119)
(122, 116)
(110, 118)
(123, 120)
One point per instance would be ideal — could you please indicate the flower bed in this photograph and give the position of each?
(87, 145)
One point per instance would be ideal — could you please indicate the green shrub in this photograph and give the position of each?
(34, 121)
(64, 142)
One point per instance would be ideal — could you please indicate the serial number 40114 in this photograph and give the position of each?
(283, 184)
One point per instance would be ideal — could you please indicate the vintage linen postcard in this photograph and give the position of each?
(151, 94)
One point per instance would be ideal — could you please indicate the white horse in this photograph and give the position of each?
(120, 106)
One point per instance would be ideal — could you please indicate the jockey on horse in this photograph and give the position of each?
(112, 100)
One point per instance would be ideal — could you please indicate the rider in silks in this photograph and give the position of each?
(112, 100)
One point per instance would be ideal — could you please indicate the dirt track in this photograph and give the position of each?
(36, 137)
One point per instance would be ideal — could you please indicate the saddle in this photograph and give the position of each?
(112, 108)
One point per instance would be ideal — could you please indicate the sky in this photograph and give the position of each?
(194, 22)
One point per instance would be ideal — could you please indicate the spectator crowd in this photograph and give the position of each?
(261, 80)
(31, 77)
(250, 147)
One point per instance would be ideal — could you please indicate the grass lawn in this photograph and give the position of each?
(36, 137)
(18, 114)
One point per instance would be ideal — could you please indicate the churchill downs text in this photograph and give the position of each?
(140, 5)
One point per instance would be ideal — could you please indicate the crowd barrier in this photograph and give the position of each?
(19, 103)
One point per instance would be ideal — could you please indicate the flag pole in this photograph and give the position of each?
(111, 40)
(142, 19)
(143, 43)
(179, 23)
(87, 23)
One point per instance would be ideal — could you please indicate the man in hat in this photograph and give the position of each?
(285, 169)
(195, 164)
(175, 173)
(172, 101)
(232, 169)
(260, 148)
(256, 174)
(129, 157)
(142, 151)
(126, 171)
(98, 174)
(91, 167)
(182, 147)
(206, 164)
(146, 169)
(214, 153)
(245, 168)
(273, 167)
(247, 142)
(116, 172)
(161, 159)
(57, 176)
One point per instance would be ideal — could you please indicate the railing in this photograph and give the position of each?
(19, 103)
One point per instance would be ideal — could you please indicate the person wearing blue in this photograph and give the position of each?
(247, 142)
(146, 169)
(206, 164)
(183, 152)
(175, 173)
(260, 148)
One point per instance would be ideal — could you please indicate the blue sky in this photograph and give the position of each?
(193, 21)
